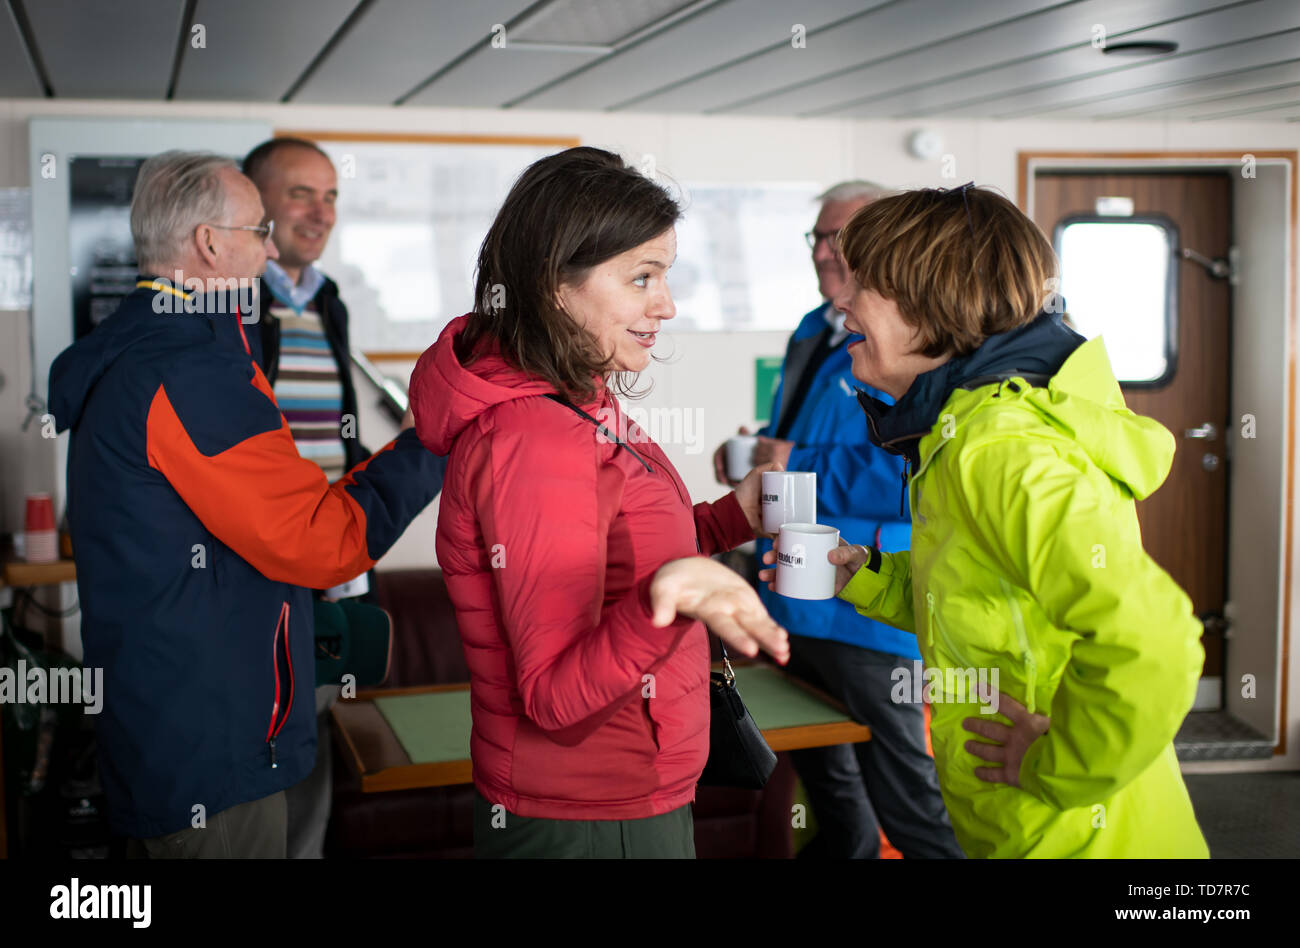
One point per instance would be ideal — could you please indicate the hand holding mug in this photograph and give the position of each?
(749, 494)
(772, 449)
(847, 557)
(727, 466)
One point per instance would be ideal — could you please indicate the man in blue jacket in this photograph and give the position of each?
(200, 532)
(817, 426)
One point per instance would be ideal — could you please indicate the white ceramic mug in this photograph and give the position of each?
(788, 497)
(740, 456)
(802, 569)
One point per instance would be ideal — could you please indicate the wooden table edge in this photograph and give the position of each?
(459, 772)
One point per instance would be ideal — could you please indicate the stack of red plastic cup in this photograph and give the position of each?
(42, 536)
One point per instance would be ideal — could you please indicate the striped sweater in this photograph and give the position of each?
(308, 389)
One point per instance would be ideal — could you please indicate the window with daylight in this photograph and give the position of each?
(1118, 282)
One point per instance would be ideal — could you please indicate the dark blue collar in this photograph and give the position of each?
(1036, 349)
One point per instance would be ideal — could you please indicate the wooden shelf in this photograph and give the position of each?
(18, 572)
(21, 573)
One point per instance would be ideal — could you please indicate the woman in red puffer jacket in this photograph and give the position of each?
(570, 547)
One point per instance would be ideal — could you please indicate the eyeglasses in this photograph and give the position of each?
(814, 237)
(263, 231)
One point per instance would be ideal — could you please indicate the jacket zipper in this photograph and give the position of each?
(943, 635)
(907, 462)
(273, 731)
(902, 498)
(1026, 653)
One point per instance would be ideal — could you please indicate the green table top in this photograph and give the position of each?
(434, 728)
(775, 702)
(431, 728)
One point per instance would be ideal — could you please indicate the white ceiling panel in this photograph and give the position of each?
(121, 49)
(594, 22)
(878, 35)
(720, 34)
(1023, 87)
(255, 49)
(1022, 39)
(491, 77)
(1172, 99)
(17, 74)
(861, 59)
(1211, 61)
(395, 45)
(1262, 105)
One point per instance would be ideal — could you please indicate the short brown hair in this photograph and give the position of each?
(961, 264)
(567, 213)
(255, 162)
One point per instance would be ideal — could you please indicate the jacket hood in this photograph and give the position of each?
(1084, 402)
(143, 316)
(77, 369)
(448, 397)
(1072, 388)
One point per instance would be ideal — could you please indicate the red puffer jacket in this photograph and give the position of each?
(549, 535)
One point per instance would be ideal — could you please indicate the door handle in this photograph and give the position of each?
(1206, 432)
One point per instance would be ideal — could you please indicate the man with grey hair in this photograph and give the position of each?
(175, 212)
(817, 425)
(200, 532)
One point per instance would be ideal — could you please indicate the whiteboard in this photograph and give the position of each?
(412, 215)
(742, 260)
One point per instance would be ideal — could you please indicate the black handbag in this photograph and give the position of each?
(738, 754)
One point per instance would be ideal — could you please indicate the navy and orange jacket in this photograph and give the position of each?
(199, 534)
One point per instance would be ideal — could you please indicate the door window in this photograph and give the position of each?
(1118, 282)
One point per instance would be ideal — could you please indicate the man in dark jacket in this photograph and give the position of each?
(302, 323)
(200, 531)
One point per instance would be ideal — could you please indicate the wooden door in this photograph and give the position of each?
(1184, 523)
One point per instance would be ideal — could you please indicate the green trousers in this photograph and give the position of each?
(503, 835)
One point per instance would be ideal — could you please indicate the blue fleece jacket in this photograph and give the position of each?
(858, 488)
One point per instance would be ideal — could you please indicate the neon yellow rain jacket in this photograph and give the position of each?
(1026, 558)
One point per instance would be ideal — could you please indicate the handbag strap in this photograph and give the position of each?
(601, 428)
(727, 671)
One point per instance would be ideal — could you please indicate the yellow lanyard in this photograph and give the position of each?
(162, 288)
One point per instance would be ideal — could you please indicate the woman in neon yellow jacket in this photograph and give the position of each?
(1026, 563)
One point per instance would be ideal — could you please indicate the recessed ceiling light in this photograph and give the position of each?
(1145, 48)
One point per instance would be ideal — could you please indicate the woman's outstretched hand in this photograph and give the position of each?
(1009, 743)
(848, 559)
(704, 589)
(749, 494)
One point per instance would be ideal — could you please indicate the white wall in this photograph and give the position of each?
(1257, 465)
(714, 371)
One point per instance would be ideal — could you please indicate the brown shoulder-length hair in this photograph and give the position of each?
(960, 264)
(567, 213)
